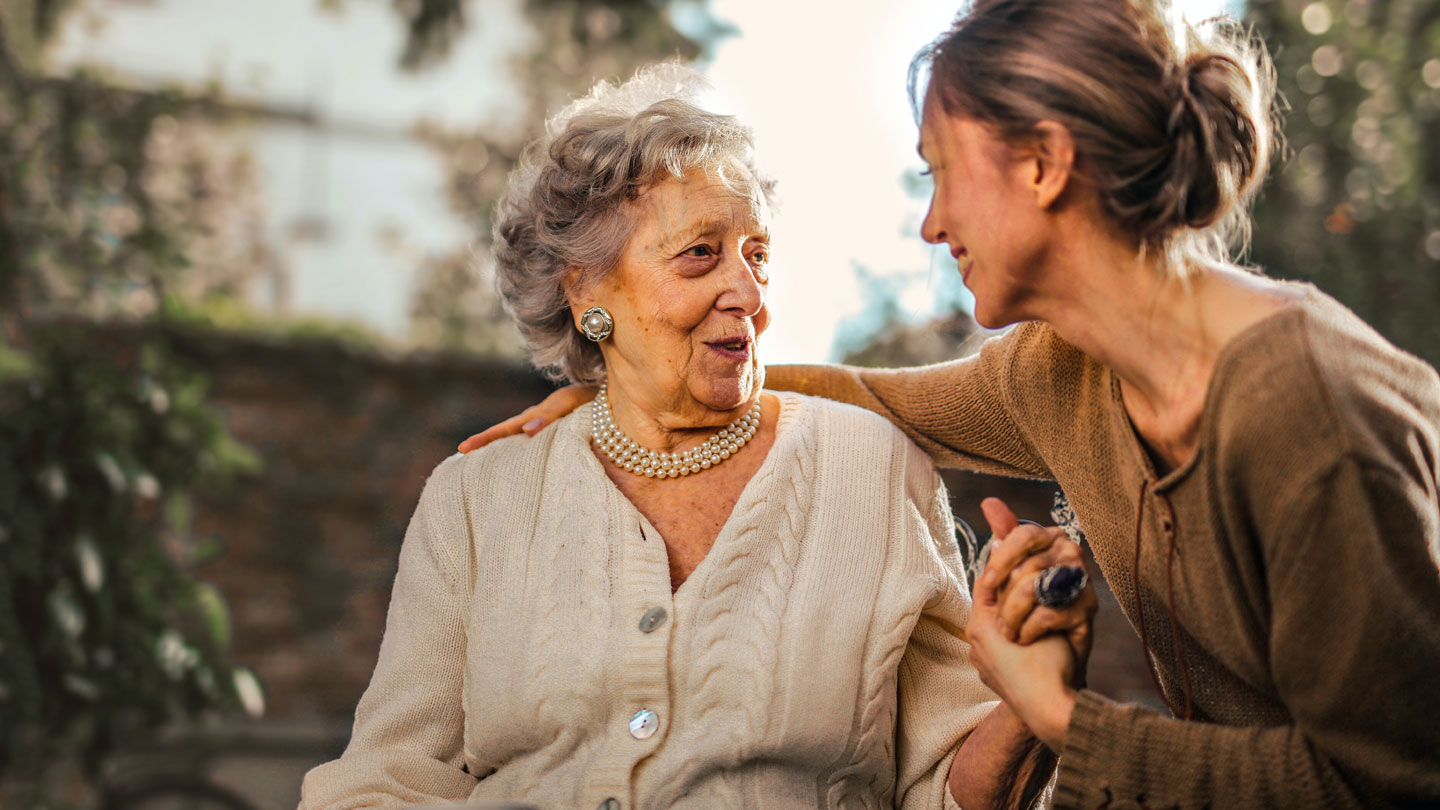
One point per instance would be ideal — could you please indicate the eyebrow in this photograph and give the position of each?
(709, 227)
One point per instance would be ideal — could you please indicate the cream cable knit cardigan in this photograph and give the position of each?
(814, 659)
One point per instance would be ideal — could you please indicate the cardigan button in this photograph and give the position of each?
(653, 618)
(611, 803)
(643, 724)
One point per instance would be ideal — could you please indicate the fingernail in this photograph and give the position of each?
(533, 425)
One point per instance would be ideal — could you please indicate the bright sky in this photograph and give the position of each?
(824, 90)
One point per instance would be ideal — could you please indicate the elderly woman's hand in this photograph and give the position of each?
(533, 419)
(1019, 554)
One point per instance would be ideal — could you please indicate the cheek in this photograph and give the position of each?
(682, 307)
(668, 316)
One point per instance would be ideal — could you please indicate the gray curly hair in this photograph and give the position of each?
(565, 206)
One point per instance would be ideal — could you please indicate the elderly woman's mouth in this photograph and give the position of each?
(733, 348)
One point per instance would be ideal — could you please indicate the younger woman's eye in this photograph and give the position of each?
(927, 172)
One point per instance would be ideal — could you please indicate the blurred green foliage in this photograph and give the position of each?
(1353, 202)
(1356, 207)
(104, 631)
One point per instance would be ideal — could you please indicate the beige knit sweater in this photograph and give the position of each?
(1299, 545)
(814, 659)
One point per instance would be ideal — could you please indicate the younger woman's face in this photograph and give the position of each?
(983, 208)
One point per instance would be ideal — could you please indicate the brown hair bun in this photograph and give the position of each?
(1174, 136)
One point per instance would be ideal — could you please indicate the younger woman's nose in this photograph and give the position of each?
(930, 229)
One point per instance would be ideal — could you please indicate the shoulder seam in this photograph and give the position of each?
(1363, 464)
(1336, 424)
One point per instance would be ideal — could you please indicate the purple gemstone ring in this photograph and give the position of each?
(1059, 586)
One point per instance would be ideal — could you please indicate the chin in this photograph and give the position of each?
(985, 320)
(992, 317)
(732, 392)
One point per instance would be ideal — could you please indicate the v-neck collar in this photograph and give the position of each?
(1213, 390)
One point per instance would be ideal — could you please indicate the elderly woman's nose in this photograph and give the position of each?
(743, 293)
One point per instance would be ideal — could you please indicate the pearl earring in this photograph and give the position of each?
(596, 324)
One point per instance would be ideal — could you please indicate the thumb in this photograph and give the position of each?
(997, 513)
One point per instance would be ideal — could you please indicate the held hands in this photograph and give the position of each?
(1018, 555)
(533, 419)
(1031, 655)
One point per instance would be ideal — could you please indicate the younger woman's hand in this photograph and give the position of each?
(1019, 554)
(533, 419)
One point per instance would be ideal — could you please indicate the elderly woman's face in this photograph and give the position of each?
(688, 299)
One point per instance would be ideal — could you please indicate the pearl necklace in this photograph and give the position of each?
(628, 455)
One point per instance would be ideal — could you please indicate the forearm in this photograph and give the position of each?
(1000, 765)
(840, 383)
(954, 411)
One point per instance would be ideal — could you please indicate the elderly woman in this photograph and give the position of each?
(689, 593)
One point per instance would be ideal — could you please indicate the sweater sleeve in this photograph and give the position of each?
(1354, 643)
(940, 696)
(957, 412)
(407, 743)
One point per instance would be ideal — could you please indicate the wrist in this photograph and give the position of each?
(1053, 721)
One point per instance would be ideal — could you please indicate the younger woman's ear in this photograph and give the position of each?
(1053, 160)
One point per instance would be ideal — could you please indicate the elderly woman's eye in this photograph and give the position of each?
(760, 257)
(700, 252)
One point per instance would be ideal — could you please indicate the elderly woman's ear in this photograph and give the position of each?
(574, 294)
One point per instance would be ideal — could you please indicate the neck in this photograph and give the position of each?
(1158, 332)
(1150, 329)
(1161, 335)
(673, 428)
